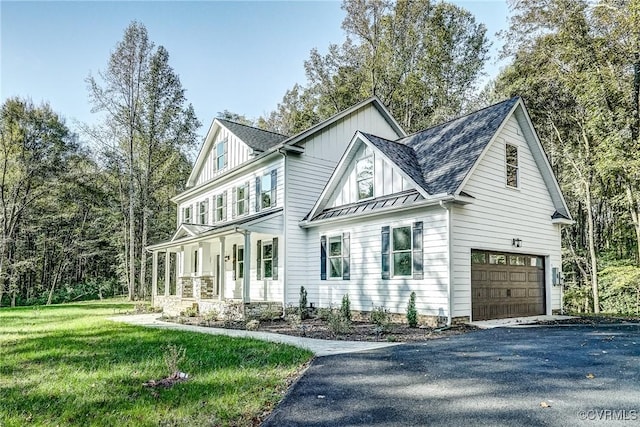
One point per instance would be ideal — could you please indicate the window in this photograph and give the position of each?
(186, 214)
(497, 259)
(267, 260)
(203, 211)
(335, 256)
(401, 250)
(517, 260)
(511, 157)
(478, 258)
(364, 177)
(266, 194)
(221, 207)
(240, 262)
(195, 261)
(242, 199)
(220, 151)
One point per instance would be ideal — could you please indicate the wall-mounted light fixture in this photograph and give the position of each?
(516, 242)
(227, 257)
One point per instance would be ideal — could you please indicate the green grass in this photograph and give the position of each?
(69, 365)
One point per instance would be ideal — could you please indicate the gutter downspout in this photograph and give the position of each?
(450, 272)
(284, 237)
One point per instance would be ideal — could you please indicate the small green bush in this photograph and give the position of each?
(190, 312)
(412, 313)
(338, 324)
(381, 318)
(211, 316)
(345, 308)
(253, 325)
(323, 313)
(302, 305)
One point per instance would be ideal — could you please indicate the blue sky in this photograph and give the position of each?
(241, 56)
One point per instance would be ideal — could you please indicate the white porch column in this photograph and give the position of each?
(222, 269)
(246, 286)
(154, 276)
(167, 272)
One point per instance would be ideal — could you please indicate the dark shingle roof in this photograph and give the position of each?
(257, 139)
(402, 155)
(447, 152)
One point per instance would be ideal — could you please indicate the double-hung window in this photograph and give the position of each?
(203, 211)
(364, 177)
(186, 214)
(240, 261)
(221, 207)
(266, 190)
(220, 152)
(267, 260)
(242, 199)
(511, 160)
(335, 256)
(402, 251)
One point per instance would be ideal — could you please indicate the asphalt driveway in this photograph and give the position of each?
(551, 376)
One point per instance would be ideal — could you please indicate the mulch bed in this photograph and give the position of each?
(319, 329)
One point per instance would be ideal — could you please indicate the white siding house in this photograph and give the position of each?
(466, 214)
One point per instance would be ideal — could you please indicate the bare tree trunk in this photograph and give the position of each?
(634, 208)
(55, 282)
(143, 254)
(1, 271)
(592, 249)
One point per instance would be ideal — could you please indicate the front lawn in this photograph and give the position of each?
(68, 365)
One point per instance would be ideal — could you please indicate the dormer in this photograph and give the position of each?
(228, 145)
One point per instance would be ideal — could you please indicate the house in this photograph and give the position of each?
(466, 214)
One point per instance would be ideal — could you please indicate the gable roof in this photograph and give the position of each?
(257, 139)
(441, 159)
(447, 152)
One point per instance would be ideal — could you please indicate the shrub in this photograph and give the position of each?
(412, 313)
(338, 324)
(381, 318)
(211, 316)
(190, 312)
(302, 305)
(323, 313)
(253, 325)
(345, 308)
(173, 356)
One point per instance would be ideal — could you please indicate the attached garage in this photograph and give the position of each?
(506, 285)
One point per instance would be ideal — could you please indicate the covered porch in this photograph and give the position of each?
(214, 268)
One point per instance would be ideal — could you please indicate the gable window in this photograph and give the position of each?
(266, 190)
(221, 207)
(186, 215)
(203, 211)
(364, 177)
(334, 256)
(401, 251)
(241, 197)
(220, 152)
(511, 157)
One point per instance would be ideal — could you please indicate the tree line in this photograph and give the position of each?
(576, 63)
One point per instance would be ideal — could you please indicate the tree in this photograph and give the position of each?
(421, 59)
(146, 127)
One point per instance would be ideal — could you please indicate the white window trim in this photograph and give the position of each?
(373, 174)
(217, 207)
(517, 166)
(263, 259)
(341, 256)
(203, 204)
(186, 218)
(392, 252)
(263, 191)
(240, 262)
(246, 201)
(216, 156)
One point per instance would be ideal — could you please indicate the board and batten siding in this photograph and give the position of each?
(250, 176)
(306, 177)
(237, 151)
(499, 214)
(387, 179)
(366, 288)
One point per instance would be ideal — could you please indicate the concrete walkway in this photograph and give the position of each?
(318, 347)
